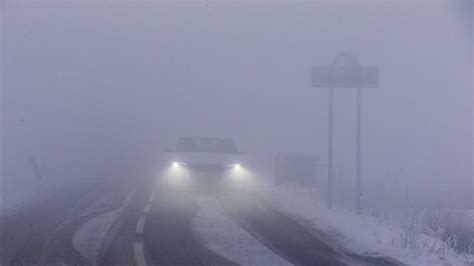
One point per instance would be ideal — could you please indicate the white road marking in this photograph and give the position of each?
(140, 226)
(138, 248)
(139, 254)
(147, 208)
(152, 196)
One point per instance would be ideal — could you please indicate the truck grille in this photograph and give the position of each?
(207, 171)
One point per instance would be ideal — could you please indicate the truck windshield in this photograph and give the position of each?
(218, 145)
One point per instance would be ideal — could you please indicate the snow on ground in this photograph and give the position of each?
(24, 196)
(224, 236)
(88, 239)
(470, 258)
(360, 234)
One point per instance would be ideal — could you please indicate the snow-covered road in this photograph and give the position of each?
(223, 235)
(88, 239)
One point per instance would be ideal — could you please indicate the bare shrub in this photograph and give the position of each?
(454, 228)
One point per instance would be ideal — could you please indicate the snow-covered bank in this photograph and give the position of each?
(361, 234)
(88, 239)
(27, 195)
(225, 237)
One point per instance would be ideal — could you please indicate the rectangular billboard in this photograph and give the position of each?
(345, 77)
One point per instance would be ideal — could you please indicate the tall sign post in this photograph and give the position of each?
(330, 143)
(345, 72)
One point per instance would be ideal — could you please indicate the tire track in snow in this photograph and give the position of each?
(224, 236)
(88, 239)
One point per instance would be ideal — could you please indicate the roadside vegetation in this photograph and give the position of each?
(419, 228)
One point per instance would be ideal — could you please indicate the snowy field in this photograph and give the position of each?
(363, 234)
(24, 196)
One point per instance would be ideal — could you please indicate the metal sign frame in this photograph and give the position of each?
(345, 72)
(345, 77)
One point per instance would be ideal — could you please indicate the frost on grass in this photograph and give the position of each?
(454, 229)
(418, 237)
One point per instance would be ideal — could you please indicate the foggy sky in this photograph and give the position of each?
(100, 88)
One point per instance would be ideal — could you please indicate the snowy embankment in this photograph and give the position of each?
(224, 236)
(361, 234)
(88, 239)
(25, 196)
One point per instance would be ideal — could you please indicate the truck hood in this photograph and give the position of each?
(206, 158)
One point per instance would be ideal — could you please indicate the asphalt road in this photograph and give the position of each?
(279, 232)
(168, 236)
(43, 234)
(169, 240)
(286, 237)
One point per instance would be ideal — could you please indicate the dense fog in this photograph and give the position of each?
(198, 132)
(98, 89)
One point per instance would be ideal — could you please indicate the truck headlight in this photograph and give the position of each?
(176, 164)
(235, 166)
